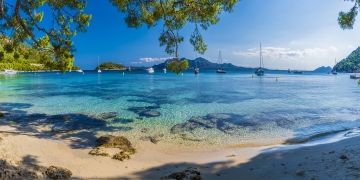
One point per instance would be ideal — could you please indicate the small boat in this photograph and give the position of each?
(129, 68)
(165, 70)
(9, 72)
(220, 70)
(150, 70)
(80, 71)
(99, 70)
(355, 76)
(196, 70)
(260, 71)
(297, 72)
(334, 70)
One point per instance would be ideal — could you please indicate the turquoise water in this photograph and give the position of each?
(231, 109)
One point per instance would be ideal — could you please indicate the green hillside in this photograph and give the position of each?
(349, 64)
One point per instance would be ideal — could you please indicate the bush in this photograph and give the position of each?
(178, 66)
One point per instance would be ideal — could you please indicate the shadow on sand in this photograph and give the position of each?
(80, 129)
(324, 161)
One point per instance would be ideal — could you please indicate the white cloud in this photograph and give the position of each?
(286, 53)
(152, 60)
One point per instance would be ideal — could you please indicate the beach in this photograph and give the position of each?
(336, 160)
(136, 127)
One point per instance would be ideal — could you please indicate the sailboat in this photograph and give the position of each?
(260, 71)
(220, 69)
(99, 70)
(196, 69)
(150, 70)
(334, 70)
(8, 72)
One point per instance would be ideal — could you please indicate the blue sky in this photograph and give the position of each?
(296, 34)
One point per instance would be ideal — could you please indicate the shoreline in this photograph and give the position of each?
(159, 160)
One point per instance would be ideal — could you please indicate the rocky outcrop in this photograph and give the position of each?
(105, 145)
(30, 171)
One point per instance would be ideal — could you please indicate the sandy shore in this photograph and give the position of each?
(337, 160)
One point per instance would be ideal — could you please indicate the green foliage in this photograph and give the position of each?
(174, 15)
(349, 64)
(25, 58)
(22, 22)
(110, 66)
(178, 66)
(347, 19)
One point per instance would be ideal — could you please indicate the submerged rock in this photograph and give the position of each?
(147, 112)
(226, 123)
(153, 139)
(108, 115)
(107, 142)
(54, 172)
(145, 130)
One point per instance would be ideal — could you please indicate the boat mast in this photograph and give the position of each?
(98, 62)
(261, 58)
(220, 59)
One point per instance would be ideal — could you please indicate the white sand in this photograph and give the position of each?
(153, 161)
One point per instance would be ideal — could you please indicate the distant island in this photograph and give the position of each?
(110, 66)
(349, 64)
(323, 69)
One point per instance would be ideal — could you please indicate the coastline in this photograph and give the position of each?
(153, 161)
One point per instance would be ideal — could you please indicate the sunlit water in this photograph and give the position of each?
(229, 109)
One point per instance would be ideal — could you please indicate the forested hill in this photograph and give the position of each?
(349, 64)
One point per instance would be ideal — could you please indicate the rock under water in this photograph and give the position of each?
(223, 122)
(147, 112)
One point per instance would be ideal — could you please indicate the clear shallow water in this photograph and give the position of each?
(231, 109)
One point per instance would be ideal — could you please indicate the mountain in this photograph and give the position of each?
(323, 69)
(205, 64)
(349, 64)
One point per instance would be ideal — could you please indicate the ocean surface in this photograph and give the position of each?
(229, 109)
